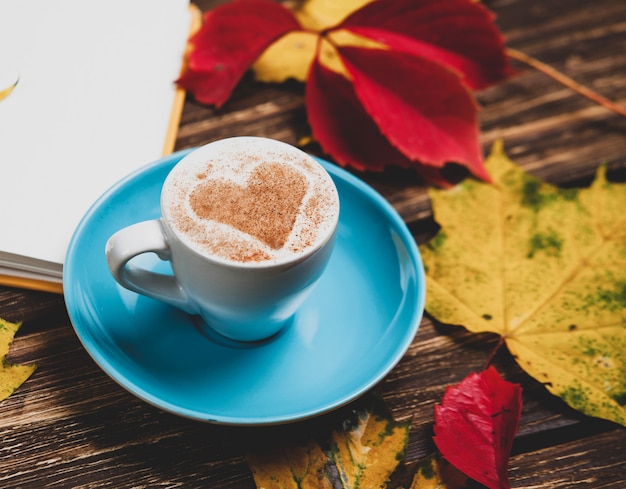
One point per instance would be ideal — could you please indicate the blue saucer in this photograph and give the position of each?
(352, 330)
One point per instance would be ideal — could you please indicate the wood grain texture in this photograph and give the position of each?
(71, 426)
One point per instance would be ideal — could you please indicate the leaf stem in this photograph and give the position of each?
(565, 80)
(493, 353)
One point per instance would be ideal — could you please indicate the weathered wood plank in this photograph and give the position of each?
(572, 463)
(72, 413)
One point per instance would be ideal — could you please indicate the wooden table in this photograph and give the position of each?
(70, 425)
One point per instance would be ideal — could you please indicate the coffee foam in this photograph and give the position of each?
(250, 200)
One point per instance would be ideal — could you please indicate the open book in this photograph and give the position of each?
(95, 99)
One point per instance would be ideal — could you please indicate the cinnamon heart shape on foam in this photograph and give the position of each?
(265, 208)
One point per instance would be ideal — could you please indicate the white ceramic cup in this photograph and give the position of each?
(242, 280)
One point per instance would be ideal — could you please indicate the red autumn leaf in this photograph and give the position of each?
(338, 119)
(408, 105)
(458, 34)
(422, 108)
(231, 38)
(475, 426)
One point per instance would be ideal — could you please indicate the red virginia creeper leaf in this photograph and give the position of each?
(341, 125)
(459, 34)
(344, 130)
(422, 108)
(231, 38)
(475, 426)
(409, 105)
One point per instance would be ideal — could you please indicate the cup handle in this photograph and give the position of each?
(131, 241)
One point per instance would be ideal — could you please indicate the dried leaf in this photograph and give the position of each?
(475, 426)
(543, 267)
(11, 376)
(363, 453)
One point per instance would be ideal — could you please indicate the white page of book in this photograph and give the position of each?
(92, 104)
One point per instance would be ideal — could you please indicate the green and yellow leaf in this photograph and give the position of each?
(367, 454)
(11, 376)
(363, 453)
(543, 267)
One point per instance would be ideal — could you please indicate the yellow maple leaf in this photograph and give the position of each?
(364, 453)
(543, 267)
(11, 376)
(291, 55)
